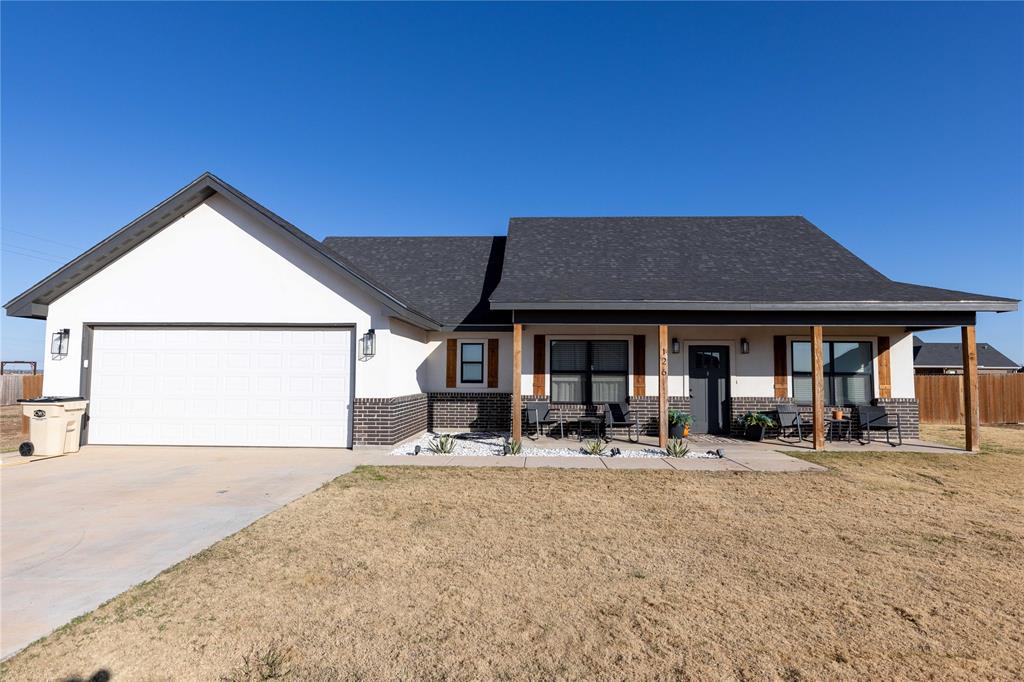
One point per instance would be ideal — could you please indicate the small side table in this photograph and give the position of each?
(832, 424)
(594, 422)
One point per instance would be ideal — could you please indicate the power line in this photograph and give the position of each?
(41, 252)
(44, 239)
(29, 255)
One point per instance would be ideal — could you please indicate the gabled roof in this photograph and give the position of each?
(32, 302)
(448, 278)
(772, 263)
(934, 355)
(702, 263)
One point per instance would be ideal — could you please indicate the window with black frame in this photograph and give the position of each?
(847, 371)
(589, 372)
(472, 364)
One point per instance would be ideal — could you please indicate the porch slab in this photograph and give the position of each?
(909, 445)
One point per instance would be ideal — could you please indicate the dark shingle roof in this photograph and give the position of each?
(928, 354)
(574, 262)
(447, 278)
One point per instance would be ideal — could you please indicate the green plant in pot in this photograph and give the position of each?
(679, 424)
(754, 425)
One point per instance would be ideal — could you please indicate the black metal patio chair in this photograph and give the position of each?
(618, 415)
(539, 414)
(789, 420)
(875, 417)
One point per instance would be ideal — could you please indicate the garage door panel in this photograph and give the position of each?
(221, 386)
(176, 361)
(142, 384)
(174, 385)
(205, 361)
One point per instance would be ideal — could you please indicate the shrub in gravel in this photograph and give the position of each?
(594, 447)
(512, 447)
(677, 447)
(442, 445)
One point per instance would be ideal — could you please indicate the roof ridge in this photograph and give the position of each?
(416, 236)
(653, 217)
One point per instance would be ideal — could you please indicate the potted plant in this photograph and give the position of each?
(837, 413)
(754, 424)
(679, 424)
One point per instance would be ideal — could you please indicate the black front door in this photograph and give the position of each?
(709, 388)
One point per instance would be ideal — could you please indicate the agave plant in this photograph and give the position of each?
(676, 448)
(512, 447)
(594, 447)
(442, 445)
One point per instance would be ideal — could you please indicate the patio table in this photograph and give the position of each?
(595, 421)
(832, 423)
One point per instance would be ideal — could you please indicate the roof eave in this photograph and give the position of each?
(980, 366)
(953, 306)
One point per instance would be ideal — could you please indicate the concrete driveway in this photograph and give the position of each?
(80, 529)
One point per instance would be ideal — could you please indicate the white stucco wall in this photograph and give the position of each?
(223, 264)
(403, 350)
(434, 374)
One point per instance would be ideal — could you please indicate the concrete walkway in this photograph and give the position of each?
(750, 458)
(80, 529)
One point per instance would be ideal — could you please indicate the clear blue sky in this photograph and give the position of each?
(899, 129)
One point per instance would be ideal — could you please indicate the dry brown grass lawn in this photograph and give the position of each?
(10, 427)
(890, 566)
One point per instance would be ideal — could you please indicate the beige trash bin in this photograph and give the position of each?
(55, 425)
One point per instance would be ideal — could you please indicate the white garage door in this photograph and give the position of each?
(221, 386)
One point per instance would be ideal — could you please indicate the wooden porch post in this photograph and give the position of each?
(662, 385)
(972, 417)
(517, 376)
(818, 388)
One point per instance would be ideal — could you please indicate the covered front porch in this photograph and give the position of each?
(716, 373)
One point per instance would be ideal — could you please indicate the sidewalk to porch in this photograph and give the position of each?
(769, 455)
(747, 458)
(567, 453)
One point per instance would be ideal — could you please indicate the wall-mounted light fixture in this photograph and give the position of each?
(369, 343)
(744, 346)
(675, 345)
(59, 342)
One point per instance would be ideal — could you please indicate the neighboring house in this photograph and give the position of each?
(211, 320)
(948, 358)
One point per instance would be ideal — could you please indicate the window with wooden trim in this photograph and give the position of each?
(589, 372)
(471, 363)
(847, 371)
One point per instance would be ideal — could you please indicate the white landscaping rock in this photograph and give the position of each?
(490, 444)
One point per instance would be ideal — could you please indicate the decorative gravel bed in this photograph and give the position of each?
(482, 444)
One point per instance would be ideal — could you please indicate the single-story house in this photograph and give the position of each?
(948, 358)
(211, 320)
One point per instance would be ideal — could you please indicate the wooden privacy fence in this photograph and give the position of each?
(20, 386)
(941, 398)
